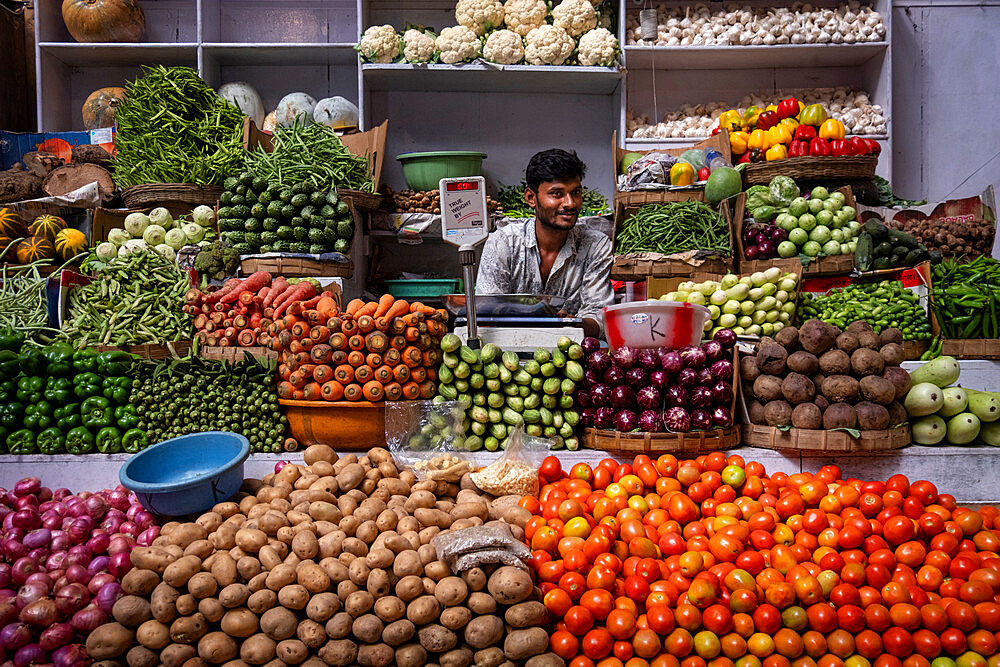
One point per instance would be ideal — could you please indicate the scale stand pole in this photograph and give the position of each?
(467, 258)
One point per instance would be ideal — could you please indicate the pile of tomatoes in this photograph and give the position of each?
(713, 563)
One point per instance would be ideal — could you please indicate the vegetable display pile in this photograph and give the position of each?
(760, 303)
(23, 306)
(56, 400)
(134, 300)
(171, 127)
(342, 573)
(261, 215)
(947, 414)
(502, 394)
(881, 247)
(511, 201)
(192, 395)
(63, 557)
(655, 390)
(48, 237)
(240, 311)
(883, 305)
(966, 298)
(370, 351)
(428, 201)
(955, 234)
(820, 377)
(673, 227)
(160, 232)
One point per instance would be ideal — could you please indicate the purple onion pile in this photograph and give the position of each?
(760, 240)
(658, 390)
(61, 559)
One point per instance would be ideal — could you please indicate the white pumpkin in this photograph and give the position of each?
(293, 105)
(244, 96)
(336, 112)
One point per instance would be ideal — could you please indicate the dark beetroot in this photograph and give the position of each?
(677, 419)
(648, 398)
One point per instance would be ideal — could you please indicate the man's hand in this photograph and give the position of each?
(591, 328)
(562, 313)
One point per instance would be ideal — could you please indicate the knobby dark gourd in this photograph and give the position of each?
(104, 20)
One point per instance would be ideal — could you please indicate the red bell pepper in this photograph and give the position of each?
(874, 148)
(798, 149)
(767, 120)
(857, 146)
(788, 108)
(744, 159)
(704, 173)
(716, 130)
(804, 133)
(819, 147)
(839, 147)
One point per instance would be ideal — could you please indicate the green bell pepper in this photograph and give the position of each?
(59, 357)
(11, 339)
(10, 364)
(114, 393)
(21, 442)
(3, 439)
(86, 385)
(70, 421)
(58, 396)
(127, 417)
(96, 412)
(115, 362)
(11, 415)
(79, 441)
(28, 385)
(135, 440)
(109, 440)
(85, 360)
(32, 361)
(51, 441)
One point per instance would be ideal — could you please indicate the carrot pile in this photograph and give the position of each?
(239, 313)
(377, 350)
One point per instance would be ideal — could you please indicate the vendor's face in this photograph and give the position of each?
(557, 204)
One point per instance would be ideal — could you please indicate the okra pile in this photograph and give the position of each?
(192, 395)
(502, 393)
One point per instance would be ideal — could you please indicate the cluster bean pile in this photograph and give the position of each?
(330, 563)
(22, 300)
(673, 227)
(883, 305)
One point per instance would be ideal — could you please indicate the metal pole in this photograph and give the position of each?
(467, 258)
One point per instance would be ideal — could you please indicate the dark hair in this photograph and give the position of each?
(554, 164)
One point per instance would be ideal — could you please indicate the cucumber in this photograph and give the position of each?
(461, 385)
(863, 255)
(558, 420)
(566, 401)
(450, 343)
(551, 386)
(536, 384)
(478, 428)
(558, 358)
(567, 386)
(479, 414)
(532, 401)
(491, 444)
(463, 370)
(546, 416)
(495, 400)
(447, 390)
(468, 355)
(575, 352)
(512, 418)
(901, 238)
(883, 249)
(479, 399)
(531, 416)
(450, 360)
(542, 355)
(532, 367)
(523, 391)
(495, 415)
(879, 232)
(492, 384)
(515, 403)
(510, 361)
(566, 431)
(510, 389)
(473, 443)
(522, 377)
(505, 375)
(489, 353)
(491, 370)
(571, 417)
(564, 343)
(549, 432)
(476, 381)
(548, 369)
(550, 401)
(574, 370)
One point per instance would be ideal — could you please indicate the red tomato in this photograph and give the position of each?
(636, 588)
(563, 643)
(551, 468)
(648, 569)
(600, 577)
(558, 602)
(574, 584)
(620, 624)
(660, 619)
(578, 620)
(599, 602)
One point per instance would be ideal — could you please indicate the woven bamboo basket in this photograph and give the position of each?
(233, 354)
(828, 442)
(845, 167)
(363, 201)
(159, 194)
(297, 267)
(662, 443)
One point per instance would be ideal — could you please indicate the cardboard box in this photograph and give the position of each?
(13, 145)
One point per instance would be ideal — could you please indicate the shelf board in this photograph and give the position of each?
(751, 57)
(76, 54)
(480, 77)
(282, 54)
(685, 141)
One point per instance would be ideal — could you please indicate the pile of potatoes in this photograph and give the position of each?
(819, 377)
(327, 563)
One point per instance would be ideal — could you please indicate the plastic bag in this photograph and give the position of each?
(454, 543)
(650, 168)
(516, 471)
(428, 437)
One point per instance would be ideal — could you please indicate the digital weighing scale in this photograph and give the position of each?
(515, 322)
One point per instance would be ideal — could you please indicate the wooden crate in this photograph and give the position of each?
(234, 353)
(828, 442)
(150, 351)
(971, 348)
(297, 267)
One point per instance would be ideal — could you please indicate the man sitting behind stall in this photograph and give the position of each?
(549, 254)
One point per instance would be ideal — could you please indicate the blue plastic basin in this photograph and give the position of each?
(189, 474)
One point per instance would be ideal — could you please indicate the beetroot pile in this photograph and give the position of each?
(656, 390)
(62, 558)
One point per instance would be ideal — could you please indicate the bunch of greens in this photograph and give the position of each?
(511, 199)
(173, 128)
(887, 197)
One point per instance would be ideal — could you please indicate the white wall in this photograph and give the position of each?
(946, 98)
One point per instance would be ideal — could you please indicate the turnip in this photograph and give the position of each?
(203, 215)
(154, 235)
(136, 223)
(119, 236)
(166, 251)
(176, 238)
(193, 232)
(161, 216)
(106, 251)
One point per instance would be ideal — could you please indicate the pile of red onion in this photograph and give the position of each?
(61, 558)
(657, 390)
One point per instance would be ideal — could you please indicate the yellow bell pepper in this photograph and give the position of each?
(832, 129)
(776, 152)
(738, 142)
(790, 123)
(731, 120)
(772, 107)
(750, 116)
(681, 174)
(759, 140)
(779, 134)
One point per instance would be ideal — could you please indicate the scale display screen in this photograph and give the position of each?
(462, 186)
(463, 210)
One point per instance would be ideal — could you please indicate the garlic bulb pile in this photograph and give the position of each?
(851, 107)
(738, 25)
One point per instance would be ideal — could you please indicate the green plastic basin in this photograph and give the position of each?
(422, 171)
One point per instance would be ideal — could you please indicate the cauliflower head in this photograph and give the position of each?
(597, 47)
(523, 16)
(479, 15)
(379, 44)
(504, 47)
(548, 45)
(457, 44)
(418, 46)
(574, 16)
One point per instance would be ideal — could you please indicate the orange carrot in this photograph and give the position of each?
(295, 308)
(284, 340)
(327, 307)
(427, 390)
(398, 309)
(365, 324)
(313, 317)
(418, 374)
(344, 374)
(285, 390)
(349, 327)
(356, 358)
(373, 359)
(300, 330)
(441, 315)
(376, 341)
(397, 342)
(384, 303)
(297, 379)
(356, 342)
(298, 395)
(332, 391)
(391, 357)
(338, 357)
(312, 391)
(397, 326)
(307, 344)
(412, 357)
(363, 373)
(334, 324)
(432, 374)
(411, 391)
(283, 372)
(373, 391)
(431, 358)
(353, 392)
(401, 373)
(367, 309)
(321, 354)
(384, 374)
(418, 307)
(353, 306)
(323, 374)
(307, 370)
(413, 319)
(411, 334)
(320, 333)
(338, 341)
(393, 391)
(294, 346)
(279, 285)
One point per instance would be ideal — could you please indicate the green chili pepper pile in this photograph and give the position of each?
(966, 298)
(134, 300)
(22, 299)
(173, 128)
(55, 400)
(882, 304)
(191, 395)
(673, 227)
(312, 154)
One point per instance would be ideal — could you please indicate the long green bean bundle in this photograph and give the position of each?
(311, 153)
(673, 227)
(173, 128)
(966, 298)
(22, 299)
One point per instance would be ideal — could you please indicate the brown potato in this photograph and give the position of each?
(359, 603)
(239, 623)
(510, 585)
(211, 609)
(278, 623)
(409, 587)
(482, 604)
(339, 652)
(450, 591)
(291, 651)
(140, 582)
(153, 635)
(493, 656)
(178, 572)
(188, 629)
(163, 603)
(367, 628)
(131, 611)
(202, 585)
(455, 618)
(437, 638)
(484, 631)
(293, 596)
(216, 648)
(109, 641)
(423, 610)
(262, 600)
(322, 606)
(140, 656)
(527, 614)
(258, 650)
(523, 644)
(176, 655)
(375, 655)
(398, 632)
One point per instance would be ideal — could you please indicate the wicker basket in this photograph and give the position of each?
(363, 201)
(150, 351)
(630, 267)
(828, 442)
(971, 348)
(662, 443)
(234, 354)
(298, 267)
(637, 198)
(845, 167)
(156, 194)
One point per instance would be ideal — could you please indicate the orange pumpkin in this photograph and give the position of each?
(11, 224)
(99, 111)
(104, 20)
(47, 226)
(35, 248)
